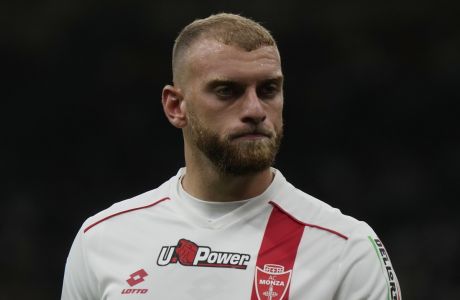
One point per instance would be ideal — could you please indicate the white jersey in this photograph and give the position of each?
(283, 244)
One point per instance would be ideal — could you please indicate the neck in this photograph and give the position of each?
(209, 184)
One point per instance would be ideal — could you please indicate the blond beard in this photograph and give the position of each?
(234, 157)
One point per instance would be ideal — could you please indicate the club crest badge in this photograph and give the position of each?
(272, 282)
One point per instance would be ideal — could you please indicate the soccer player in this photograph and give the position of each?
(228, 225)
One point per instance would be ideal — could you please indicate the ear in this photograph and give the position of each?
(173, 107)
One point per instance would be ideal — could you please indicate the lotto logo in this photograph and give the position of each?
(134, 279)
(190, 254)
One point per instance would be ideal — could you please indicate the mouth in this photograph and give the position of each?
(251, 135)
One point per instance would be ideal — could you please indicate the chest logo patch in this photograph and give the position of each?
(133, 280)
(187, 253)
(272, 282)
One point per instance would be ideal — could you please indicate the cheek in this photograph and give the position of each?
(276, 112)
(211, 119)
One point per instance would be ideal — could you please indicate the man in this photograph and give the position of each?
(228, 225)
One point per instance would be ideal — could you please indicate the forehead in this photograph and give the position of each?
(209, 59)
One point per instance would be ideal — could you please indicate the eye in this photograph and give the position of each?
(227, 91)
(268, 90)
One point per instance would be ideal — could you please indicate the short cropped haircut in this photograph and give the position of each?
(228, 29)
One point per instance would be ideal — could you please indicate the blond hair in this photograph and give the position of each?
(225, 28)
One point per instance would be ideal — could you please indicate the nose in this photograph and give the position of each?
(253, 109)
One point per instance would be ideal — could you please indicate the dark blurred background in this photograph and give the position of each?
(371, 110)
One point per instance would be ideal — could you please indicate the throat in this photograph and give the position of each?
(226, 188)
(210, 210)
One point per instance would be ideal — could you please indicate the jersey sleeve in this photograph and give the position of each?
(366, 271)
(80, 283)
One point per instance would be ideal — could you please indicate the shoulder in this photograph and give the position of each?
(362, 255)
(130, 207)
(320, 215)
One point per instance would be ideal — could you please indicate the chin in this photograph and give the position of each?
(247, 165)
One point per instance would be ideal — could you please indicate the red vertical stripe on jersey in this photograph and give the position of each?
(279, 245)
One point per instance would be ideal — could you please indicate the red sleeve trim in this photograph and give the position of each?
(123, 212)
(306, 224)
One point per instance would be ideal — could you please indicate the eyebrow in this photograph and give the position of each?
(217, 82)
(278, 80)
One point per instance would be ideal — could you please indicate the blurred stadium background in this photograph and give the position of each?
(371, 113)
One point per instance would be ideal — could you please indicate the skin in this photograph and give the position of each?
(238, 95)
